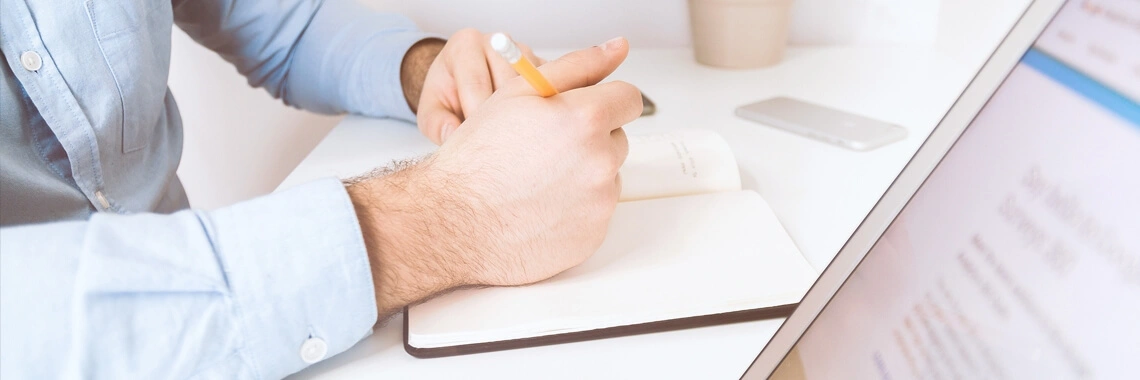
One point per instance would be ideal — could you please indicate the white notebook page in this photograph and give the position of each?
(681, 162)
(663, 259)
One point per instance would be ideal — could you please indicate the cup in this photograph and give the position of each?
(739, 34)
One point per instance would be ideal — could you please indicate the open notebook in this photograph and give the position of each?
(686, 248)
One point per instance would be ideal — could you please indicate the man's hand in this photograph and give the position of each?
(462, 77)
(523, 191)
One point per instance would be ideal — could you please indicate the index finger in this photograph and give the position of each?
(473, 82)
(614, 104)
(578, 69)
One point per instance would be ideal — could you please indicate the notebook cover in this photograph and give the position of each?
(782, 311)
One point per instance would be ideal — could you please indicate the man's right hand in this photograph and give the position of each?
(523, 191)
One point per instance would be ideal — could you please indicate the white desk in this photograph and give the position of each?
(820, 192)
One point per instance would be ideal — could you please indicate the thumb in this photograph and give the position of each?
(580, 68)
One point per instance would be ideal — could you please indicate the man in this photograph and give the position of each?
(103, 276)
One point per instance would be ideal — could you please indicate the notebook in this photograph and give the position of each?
(686, 247)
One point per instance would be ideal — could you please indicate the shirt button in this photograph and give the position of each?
(31, 60)
(102, 200)
(313, 350)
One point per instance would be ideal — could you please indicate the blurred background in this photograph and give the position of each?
(240, 142)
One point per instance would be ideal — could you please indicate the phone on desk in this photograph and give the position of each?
(822, 123)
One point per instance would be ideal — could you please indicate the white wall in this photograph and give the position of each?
(241, 143)
(664, 23)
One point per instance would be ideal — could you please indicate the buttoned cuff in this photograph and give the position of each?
(349, 59)
(376, 43)
(299, 274)
(384, 58)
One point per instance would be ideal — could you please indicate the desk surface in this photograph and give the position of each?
(820, 192)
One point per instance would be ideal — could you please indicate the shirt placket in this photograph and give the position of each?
(37, 72)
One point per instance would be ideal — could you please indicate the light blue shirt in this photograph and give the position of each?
(96, 279)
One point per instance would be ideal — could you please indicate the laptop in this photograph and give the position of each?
(1009, 247)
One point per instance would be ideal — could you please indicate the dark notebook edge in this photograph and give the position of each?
(782, 311)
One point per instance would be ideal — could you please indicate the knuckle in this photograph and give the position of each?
(467, 34)
(621, 139)
(607, 203)
(605, 170)
(474, 78)
(614, 164)
(625, 87)
(629, 92)
(592, 114)
(622, 145)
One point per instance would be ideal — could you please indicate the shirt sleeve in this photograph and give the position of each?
(327, 56)
(232, 293)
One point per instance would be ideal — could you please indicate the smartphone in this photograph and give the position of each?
(822, 123)
(649, 108)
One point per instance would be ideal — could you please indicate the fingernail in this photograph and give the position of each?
(447, 129)
(611, 44)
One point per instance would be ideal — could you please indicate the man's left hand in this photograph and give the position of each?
(462, 74)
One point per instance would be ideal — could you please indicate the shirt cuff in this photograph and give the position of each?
(381, 93)
(352, 55)
(298, 271)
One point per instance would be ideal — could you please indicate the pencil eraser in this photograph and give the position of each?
(501, 43)
(505, 47)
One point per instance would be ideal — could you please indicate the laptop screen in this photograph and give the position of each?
(1019, 256)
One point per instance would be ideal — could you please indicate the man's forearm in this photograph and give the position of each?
(403, 224)
(414, 68)
(506, 204)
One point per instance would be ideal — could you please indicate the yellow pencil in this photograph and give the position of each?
(507, 48)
